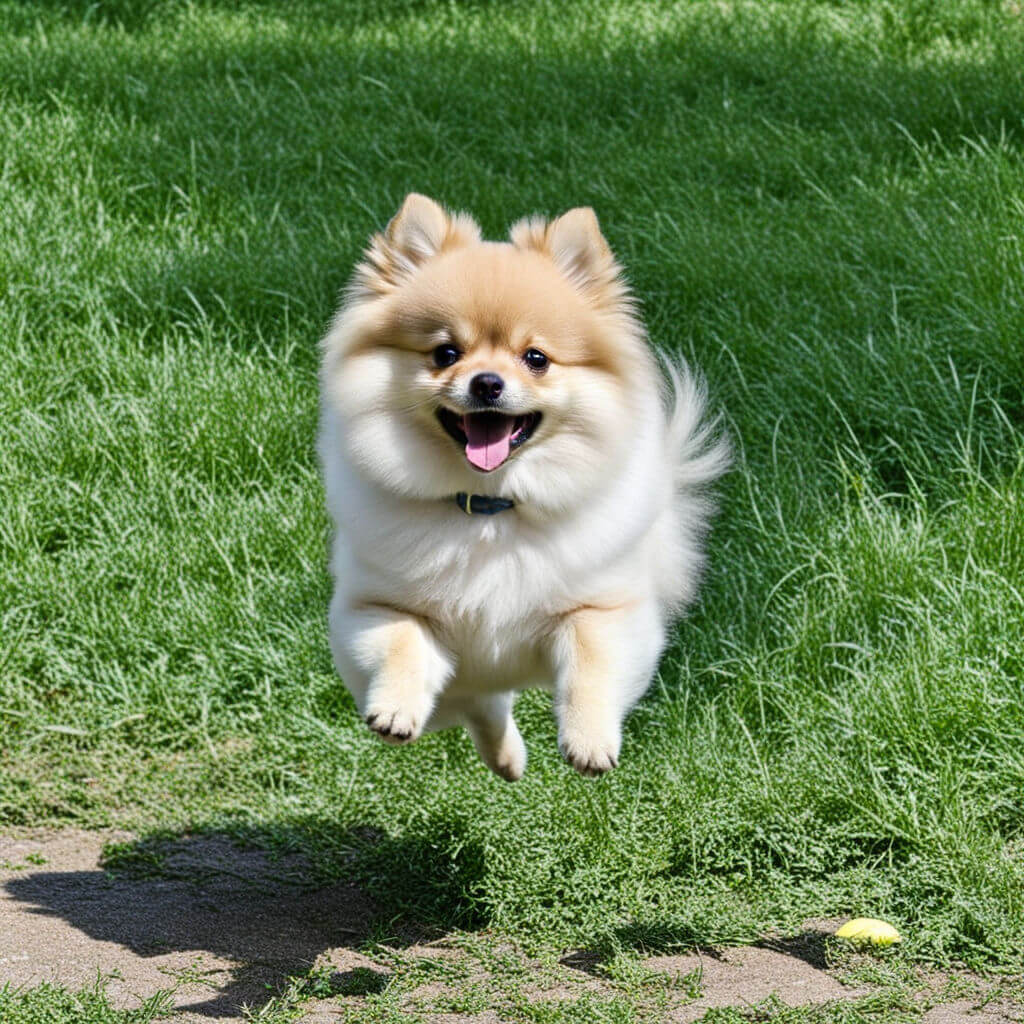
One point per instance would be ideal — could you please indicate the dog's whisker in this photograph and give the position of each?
(416, 406)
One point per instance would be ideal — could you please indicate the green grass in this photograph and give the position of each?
(820, 204)
(50, 1004)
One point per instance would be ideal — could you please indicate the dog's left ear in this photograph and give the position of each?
(574, 243)
(577, 245)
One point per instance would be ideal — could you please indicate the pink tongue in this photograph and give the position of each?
(488, 439)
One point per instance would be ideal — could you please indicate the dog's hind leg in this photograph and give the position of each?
(495, 734)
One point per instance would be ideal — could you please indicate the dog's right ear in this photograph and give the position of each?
(419, 231)
(419, 228)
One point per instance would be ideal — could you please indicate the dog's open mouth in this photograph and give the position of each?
(489, 438)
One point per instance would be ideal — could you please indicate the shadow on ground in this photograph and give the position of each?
(232, 921)
(664, 941)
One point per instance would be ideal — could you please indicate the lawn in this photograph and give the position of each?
(820, 205)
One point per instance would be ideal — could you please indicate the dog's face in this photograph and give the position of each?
(509, 369)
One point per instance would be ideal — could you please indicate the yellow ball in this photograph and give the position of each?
(866, 931)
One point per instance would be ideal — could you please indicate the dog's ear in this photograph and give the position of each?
(577, 245)
(574, 243)
(419, 228)
(418, 232)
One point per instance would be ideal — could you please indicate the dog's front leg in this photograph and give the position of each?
(605, 659)
(392, 664)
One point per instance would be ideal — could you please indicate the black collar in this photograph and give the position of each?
(481, 504)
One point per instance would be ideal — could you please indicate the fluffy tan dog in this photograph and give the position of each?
(518, 490)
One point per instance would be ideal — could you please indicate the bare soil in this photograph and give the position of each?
(234, 921)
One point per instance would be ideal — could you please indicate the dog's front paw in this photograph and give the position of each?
(394, 725)
(591, 754)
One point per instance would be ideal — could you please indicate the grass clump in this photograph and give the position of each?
(52, 1004)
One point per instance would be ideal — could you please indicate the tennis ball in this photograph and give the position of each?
(866, 931)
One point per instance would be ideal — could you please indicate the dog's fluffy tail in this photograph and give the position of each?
(698, 447)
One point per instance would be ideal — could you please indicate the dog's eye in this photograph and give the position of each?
(535, 359)
(446, 355)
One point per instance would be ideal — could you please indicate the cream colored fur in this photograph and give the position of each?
(438, 618)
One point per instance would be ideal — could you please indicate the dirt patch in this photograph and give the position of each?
(749, 975)
(230, 925)
(965, 1011)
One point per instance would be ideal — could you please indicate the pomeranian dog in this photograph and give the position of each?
(518, 488)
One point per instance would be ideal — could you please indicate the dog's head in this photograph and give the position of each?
(513, 369)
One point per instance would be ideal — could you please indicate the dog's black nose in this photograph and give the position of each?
(486, 387)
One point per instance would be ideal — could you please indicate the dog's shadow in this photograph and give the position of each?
(269, 915)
